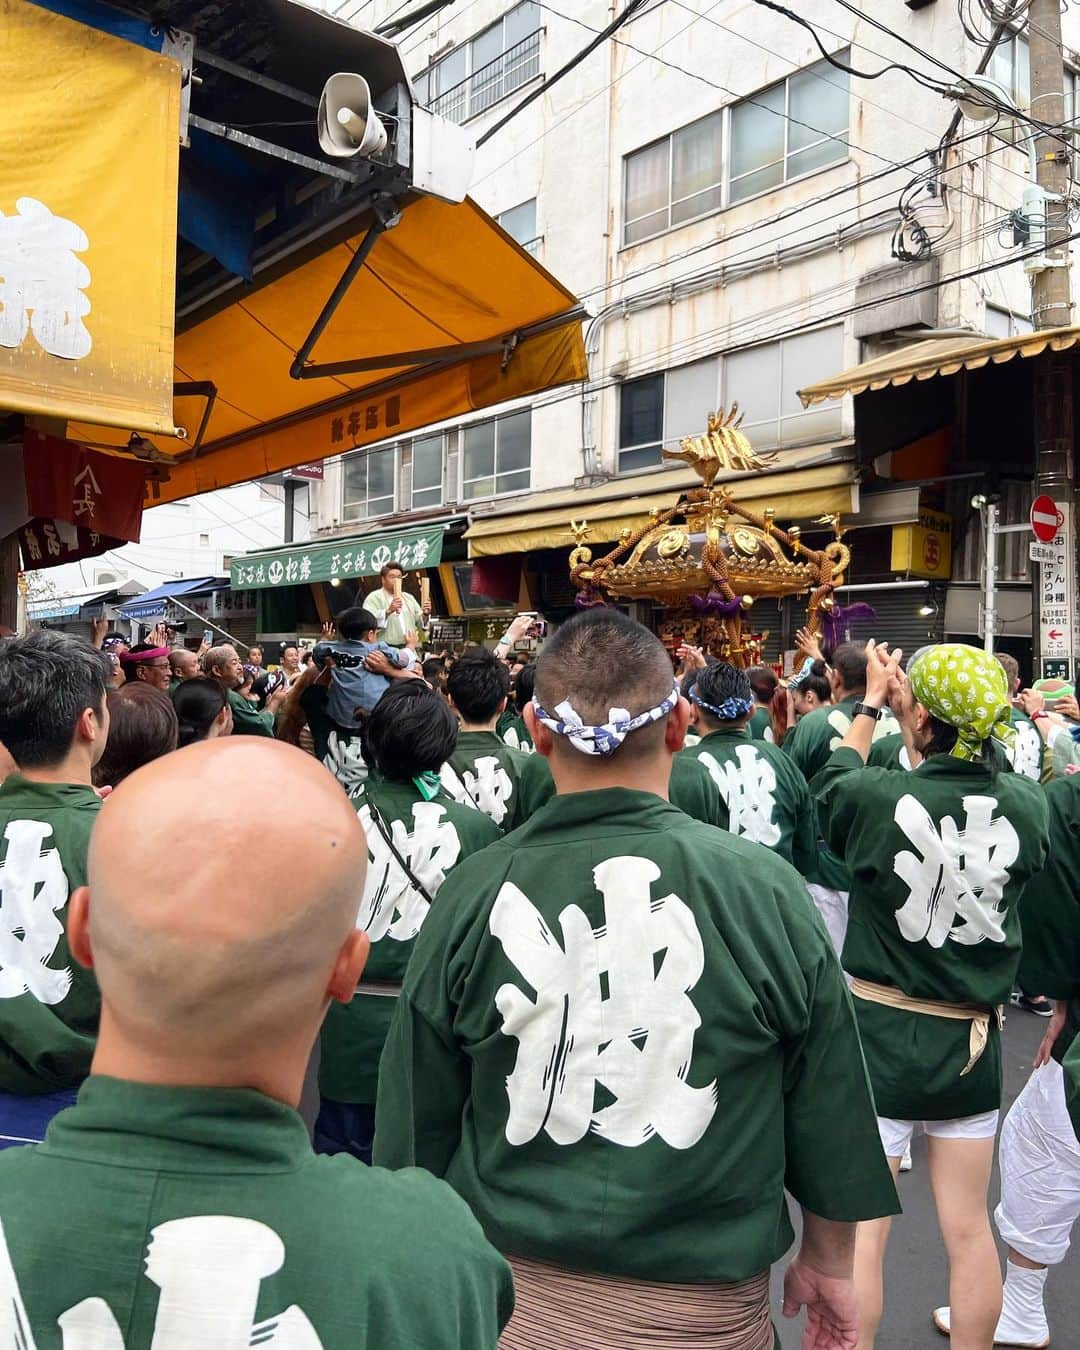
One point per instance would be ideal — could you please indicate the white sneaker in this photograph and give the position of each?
(1014, 1337)
(905, 1161)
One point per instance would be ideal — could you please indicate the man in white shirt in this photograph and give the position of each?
(397, 611)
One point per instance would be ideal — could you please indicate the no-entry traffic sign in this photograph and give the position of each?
(1046, 519)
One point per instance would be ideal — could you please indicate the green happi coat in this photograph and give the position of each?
(760, 725)
(1072, 1083)
(939, 858)
(200, 1219)
(889, 752)
(767, 798)
(49, 1004)
(810, 744)
(1050, 911)
(432, 837)
(515, 734)
(1026, 753)
(247, 719)
(622, 1034)
(483, 773)
(691, 790)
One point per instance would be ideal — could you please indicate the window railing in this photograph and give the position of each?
(489, 83)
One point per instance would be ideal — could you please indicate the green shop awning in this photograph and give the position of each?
(357, 556)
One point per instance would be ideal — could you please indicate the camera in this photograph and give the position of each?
(180, 626)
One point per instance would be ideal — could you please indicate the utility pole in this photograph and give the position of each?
(1052, 308)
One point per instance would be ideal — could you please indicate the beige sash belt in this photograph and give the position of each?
(979, 1017)
(557, 1308)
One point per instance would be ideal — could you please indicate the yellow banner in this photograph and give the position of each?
(89, 158)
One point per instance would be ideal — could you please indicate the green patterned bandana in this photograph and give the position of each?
(967, 689)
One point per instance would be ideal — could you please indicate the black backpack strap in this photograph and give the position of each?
(380, 825)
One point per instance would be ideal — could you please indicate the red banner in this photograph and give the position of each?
(99, 495)
(48, 543)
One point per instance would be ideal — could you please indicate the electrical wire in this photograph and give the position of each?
(627, 13)
(978, 95)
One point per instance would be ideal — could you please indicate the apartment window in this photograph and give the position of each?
(427, 473)
(204, 541)
(661, 409)
(369, 483)
(641, 423)
(1011, 68)
(788, 130)
(765, 381)
(520, 224)
(674, 180)
(497, 456)
(785, 131)
(477, 74)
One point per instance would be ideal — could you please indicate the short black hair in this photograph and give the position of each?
(602, 659)
(524, 687)
(719, 682)
(353, 623)
(819, 685)
(410, 731)
(143, 726)
(47, 681)
(763, 682)
(197, 702)
(391, 567)
(478, 684)
(849, 662)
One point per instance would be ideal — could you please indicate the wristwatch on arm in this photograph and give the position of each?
(866, 710)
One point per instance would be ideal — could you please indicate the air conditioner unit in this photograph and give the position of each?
(104, 577)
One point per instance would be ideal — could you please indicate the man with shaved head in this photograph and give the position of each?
(623, 1032)
(182, 1189)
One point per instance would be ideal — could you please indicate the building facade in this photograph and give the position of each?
(730, 207)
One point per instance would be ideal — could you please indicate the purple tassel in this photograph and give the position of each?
(715, 605)
(836, 621)
(590, 600)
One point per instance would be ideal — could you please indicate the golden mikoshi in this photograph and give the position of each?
(706, 558)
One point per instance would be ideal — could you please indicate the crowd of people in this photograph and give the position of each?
(600, 967)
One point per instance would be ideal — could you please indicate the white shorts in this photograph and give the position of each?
(896, 1135)
(1039, 1158)
(833, 908)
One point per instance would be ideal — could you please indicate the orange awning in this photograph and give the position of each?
(448, 314)
(937, 356)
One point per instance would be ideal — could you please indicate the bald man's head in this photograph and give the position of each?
(238, 950)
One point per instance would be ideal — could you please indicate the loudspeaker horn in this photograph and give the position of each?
(349, 127)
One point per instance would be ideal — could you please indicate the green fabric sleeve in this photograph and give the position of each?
(804, 852)
(835, 790)
(1072, 1084)
(421, 1078)
(835, 1165)
(247, 720)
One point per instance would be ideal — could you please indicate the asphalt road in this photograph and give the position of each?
(916, 1278)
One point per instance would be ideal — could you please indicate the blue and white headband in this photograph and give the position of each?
(728, 711)
(605, 739)
(797, 681)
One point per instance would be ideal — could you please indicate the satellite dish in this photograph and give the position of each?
(349, 127)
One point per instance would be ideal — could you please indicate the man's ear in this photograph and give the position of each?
(88, 727)
(78, 927)
(349, 966)
(678, 719)
(542, 738)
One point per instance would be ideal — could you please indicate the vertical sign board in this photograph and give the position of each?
(1057, 597)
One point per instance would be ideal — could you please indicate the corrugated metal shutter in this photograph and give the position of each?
(898, 620)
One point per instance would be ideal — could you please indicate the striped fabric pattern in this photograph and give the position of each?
(557, 1308)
